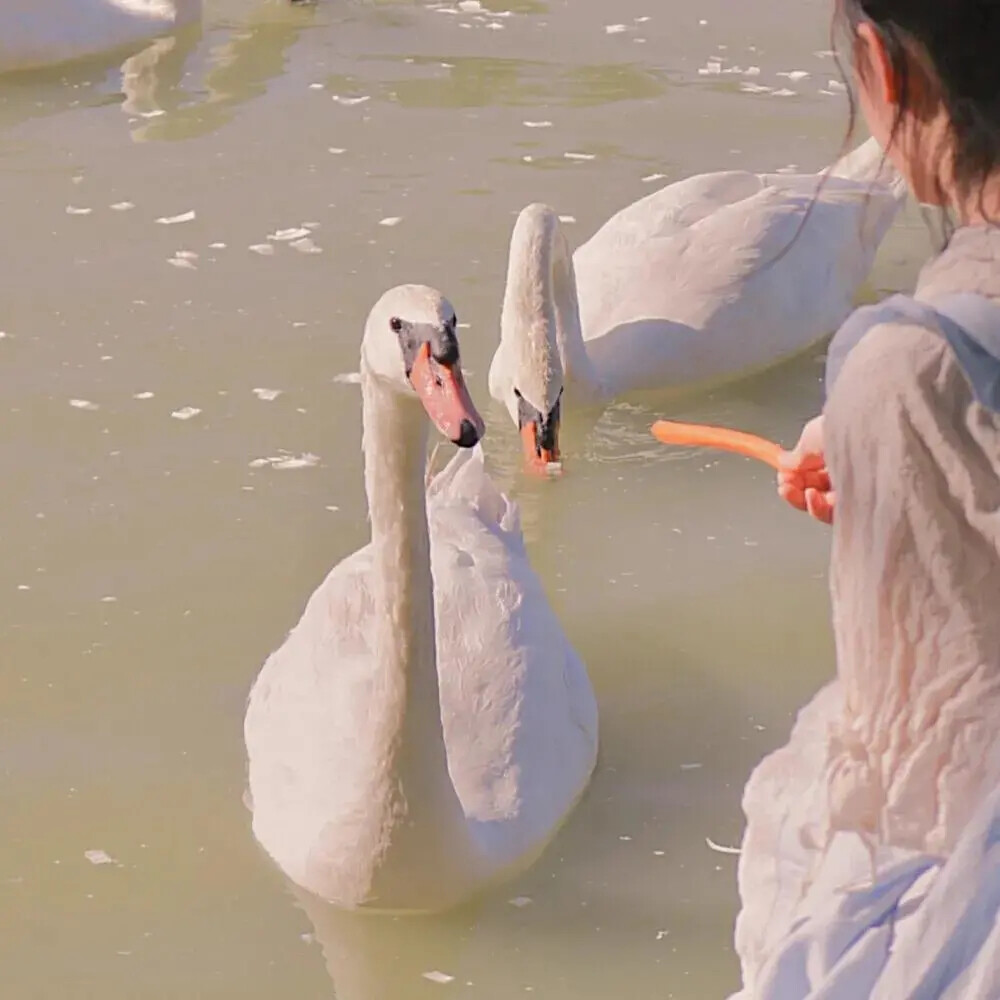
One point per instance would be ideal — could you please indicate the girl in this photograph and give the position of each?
(869, 864)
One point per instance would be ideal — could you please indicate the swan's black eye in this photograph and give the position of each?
(395, 324)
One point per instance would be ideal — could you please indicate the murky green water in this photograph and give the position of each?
(150, 561)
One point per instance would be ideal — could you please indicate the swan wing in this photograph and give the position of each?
(742, 287)
(519, 713)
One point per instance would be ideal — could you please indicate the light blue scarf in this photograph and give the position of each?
(970, 323)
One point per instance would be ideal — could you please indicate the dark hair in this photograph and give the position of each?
(943, 53)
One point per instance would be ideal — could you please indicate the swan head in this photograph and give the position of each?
(527, 374)
(410, 344)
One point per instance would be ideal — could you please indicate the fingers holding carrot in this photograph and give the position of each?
(803, 478)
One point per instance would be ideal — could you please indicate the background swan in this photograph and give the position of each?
(426, 726)
(675, 289)
(36, 33)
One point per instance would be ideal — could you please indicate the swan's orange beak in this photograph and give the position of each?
(540, 450)
(539, 435)
(442, 390)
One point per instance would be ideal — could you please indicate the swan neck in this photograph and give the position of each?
(541, 298)
(408, 733)
(395, 450)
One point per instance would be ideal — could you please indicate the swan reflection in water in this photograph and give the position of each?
(238, 71)
(376, 956)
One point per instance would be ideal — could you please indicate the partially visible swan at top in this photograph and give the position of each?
(36, 33)
(426, 727)
(679, 288)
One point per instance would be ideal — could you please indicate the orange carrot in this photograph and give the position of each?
(703, 436)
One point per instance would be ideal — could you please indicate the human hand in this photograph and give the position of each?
(803, 478)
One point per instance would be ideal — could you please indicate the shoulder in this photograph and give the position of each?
(885, 351)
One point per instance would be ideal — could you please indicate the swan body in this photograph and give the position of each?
(427, 726)
(36, 33)
(696, 283)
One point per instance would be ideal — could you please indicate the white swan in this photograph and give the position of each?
(679, 288)
(426, 726)
(35, 33)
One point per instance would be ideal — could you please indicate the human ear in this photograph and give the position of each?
(875, 64)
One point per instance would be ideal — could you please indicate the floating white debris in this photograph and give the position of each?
(305, 461)
(185, 413)
(315, 86)
(142, 395)
(336, 150)
(351, 101)
(23, 586)
(305, 245)
(837, 86)
(285, 235)
(660, 935)
(624, 838)
(186, 255)
(795, 75)
(83, 404)
(286, 461)
(752, 71)
(109, 600)
(264, 249)
(580, 156)
(172, 220)
(392, 220)
(73, 210)
(754, 88)
(691, 767)
(99, 858)
(470, 6)
(122, 206)
(267, 394)
(712, 68)
(538, 124)
(649, 178)
(792, 168)
(567, 218)
(332, 508)
(182, 262)
(720, 849)
(615, 29)
(439, 977)
(520, 901)
(784, 92)
(348, 378)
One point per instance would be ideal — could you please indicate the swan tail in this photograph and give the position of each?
(466, 479)
(868, 164)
